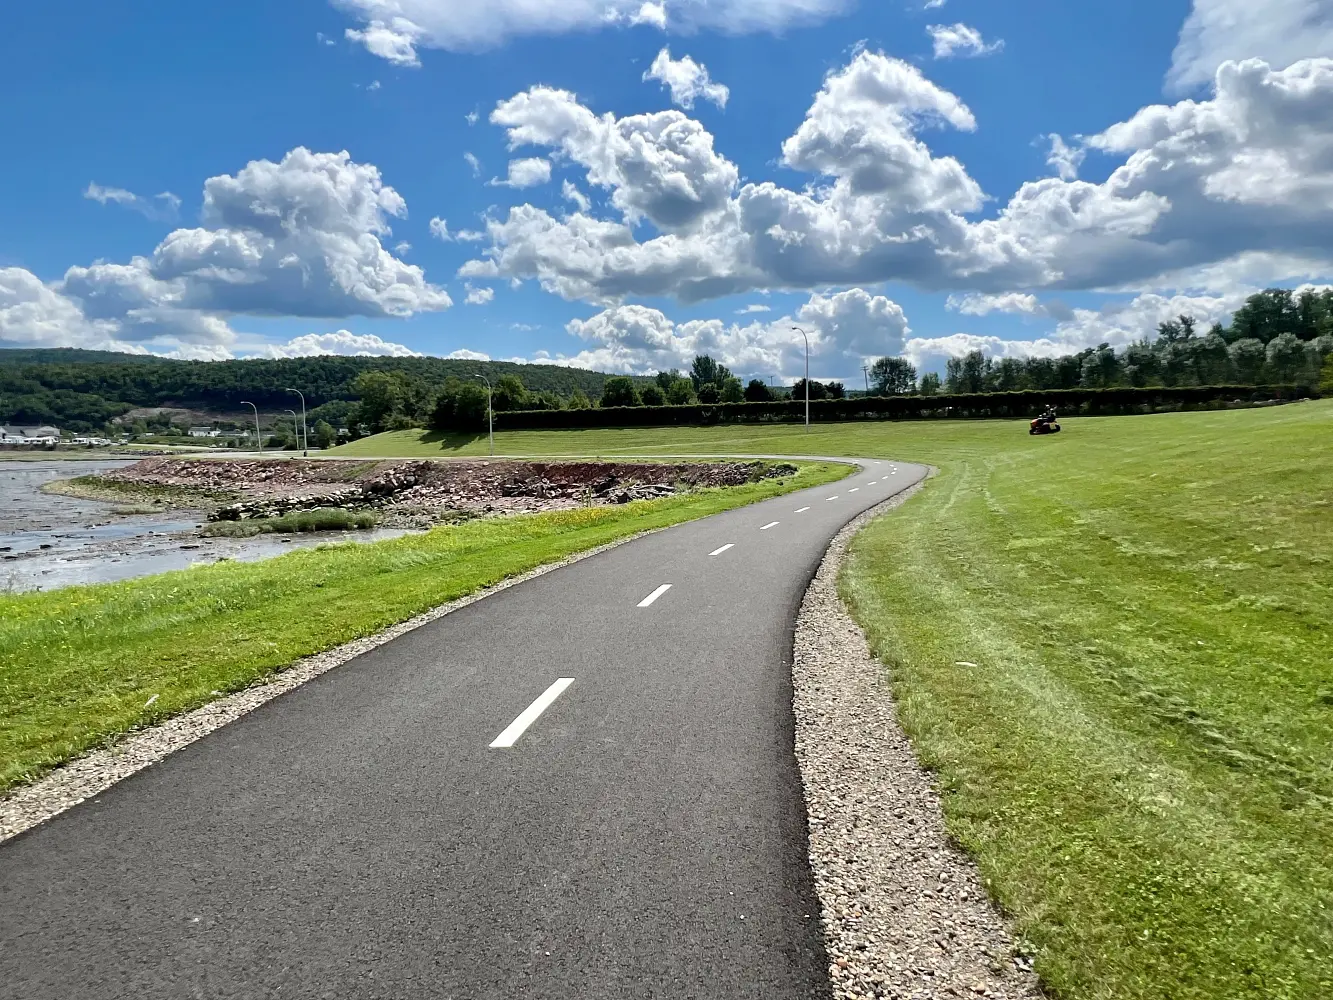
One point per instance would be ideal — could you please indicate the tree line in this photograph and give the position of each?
(461, 406)
(85, 390)
(1276, 337)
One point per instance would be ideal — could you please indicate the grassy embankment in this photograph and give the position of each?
(1140, 758)
(139, 496)
(296, 522)
(78, 665)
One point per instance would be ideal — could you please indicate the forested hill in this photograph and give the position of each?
(79, 389)
(72, 356)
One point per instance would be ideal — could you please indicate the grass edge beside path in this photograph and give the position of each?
(79, 666)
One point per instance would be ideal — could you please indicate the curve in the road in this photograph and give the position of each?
(583, 786)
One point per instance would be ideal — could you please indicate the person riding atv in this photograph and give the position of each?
(1046, 423)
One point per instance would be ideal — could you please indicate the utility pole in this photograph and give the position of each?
(490, 410)
(259, 440)
(807, 377)
(866, 370)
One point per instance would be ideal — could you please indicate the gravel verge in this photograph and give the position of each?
(88, 776)
(905, 914)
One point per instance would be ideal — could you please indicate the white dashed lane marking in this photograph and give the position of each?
(718, 552)
(531, 714)
(654, 595)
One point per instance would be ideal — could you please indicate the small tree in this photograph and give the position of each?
(1247, 360)
(706, 371)
(325, 435)
(835, 390)
(930, 384)
(620, 391)
(732, 391)
(652, 395)
(510, 393)
(757, 392)
(1286, 357)
(382, 396)
(666, 379)
(892, 377)
(681, 393)
(708, 393)
(578, 400)
(817, 390)
(470, 407)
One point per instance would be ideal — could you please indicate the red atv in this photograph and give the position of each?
(1045, 424)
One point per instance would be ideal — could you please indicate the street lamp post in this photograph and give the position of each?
(490, 410)
(295, 426)
(807, 377)
(305, 431)
(259, 440)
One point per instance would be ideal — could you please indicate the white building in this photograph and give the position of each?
(205, 432)
(29, 437)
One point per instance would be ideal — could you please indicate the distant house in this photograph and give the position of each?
(205, 432)
(93, 442)
(29, 437)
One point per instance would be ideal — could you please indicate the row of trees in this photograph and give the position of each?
(1276, 337)
(459, 405)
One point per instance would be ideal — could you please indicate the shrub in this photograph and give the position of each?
(297, 522)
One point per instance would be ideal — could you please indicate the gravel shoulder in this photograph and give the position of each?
(905, 913)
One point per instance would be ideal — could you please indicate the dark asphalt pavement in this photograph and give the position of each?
(359, 837)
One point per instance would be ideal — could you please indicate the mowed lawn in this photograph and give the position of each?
(1115, 647)
(80, 665)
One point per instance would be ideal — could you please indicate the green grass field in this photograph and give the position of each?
(79, 665)
(1141, 758)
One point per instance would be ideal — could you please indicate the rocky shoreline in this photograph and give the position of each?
(418, 492)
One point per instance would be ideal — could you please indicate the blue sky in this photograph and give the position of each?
(878, 173)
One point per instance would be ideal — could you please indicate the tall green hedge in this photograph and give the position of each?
(972, 405)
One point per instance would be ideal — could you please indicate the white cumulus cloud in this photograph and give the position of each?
(845, 330)
(687, 80)
(960, 40)
(342, 342)
(1280, 32)
(479, 296)
(301, 237)
(660, 167)
(572, 194)
(525, 173)
(394, 39)
(1064, 159)
(1244, 176)
(1007, 302)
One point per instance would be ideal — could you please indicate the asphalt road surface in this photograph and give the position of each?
(581, 787)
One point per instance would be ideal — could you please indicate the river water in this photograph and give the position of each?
(49, 541)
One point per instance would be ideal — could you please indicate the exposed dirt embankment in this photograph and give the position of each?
(430, 490)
